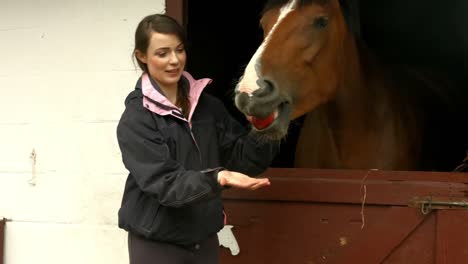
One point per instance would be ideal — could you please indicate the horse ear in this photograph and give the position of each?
(350, 10)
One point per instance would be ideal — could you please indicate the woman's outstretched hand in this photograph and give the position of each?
(239, 180)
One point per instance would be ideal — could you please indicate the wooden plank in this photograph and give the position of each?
(293, 232)
(377, 241)
(452, 237)
(177, 10)
(418, 247)
(372, 187)
(374, 174)
(315, 214)
(328, 233)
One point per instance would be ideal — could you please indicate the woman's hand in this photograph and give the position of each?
(239, 180)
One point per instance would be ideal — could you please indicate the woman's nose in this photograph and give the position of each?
(174, 58)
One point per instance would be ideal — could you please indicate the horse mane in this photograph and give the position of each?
(351, 13)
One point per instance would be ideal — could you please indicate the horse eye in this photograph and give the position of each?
(321, 22)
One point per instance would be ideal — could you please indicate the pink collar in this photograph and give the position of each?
(152, 97)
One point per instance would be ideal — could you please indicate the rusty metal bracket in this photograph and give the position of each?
(427, 204)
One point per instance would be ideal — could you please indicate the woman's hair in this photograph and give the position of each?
(166, 25)
(155, 23)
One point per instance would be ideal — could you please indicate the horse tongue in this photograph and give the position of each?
(260, 124)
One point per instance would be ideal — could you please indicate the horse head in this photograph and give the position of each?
(298, 65)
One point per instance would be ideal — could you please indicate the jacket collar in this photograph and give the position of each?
(155, 101)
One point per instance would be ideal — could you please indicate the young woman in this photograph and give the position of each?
(181, 148)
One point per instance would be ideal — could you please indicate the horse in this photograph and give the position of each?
(312, 64)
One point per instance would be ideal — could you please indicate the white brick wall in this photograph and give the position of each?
(65, 69)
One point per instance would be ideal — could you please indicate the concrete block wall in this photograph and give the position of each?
(65, 69)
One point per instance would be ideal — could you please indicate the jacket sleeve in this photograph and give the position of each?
(146, 157)
(242, 150)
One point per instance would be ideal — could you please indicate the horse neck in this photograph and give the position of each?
(363, 92)
(365, 117)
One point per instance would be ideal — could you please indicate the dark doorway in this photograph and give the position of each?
(223, 35)
(429, 36)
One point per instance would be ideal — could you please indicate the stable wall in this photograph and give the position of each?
(65, 70)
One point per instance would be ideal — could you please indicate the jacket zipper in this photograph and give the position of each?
(195, 141)
(191, 134)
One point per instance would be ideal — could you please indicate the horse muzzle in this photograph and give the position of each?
(265, 109)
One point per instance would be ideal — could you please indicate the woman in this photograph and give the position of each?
(181, 148)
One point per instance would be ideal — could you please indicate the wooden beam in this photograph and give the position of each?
(355, 187)
(177, 9)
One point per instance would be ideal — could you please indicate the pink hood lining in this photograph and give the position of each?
(151, 94)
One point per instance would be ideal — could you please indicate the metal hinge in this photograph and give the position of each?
(427, 204)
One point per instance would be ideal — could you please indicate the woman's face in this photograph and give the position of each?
(165, 59)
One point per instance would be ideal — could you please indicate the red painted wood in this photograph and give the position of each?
(314, 216)
(418, 247)
(277, 232)
(383, 187)
(360, 174)
(377, 241)
(293, 232)
(177, 10)
(452, 237)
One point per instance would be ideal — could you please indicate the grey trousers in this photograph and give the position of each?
(144, 251)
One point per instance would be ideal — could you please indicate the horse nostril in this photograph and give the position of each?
(241, 100)
(266, 88)
(261, 102)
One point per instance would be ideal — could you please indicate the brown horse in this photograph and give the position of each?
(357, 115)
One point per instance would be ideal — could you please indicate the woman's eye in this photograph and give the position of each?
(321, 22)
(161, 54)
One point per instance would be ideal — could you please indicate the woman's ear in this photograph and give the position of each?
(140, 56)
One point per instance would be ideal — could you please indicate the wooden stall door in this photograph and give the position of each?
(310, 216)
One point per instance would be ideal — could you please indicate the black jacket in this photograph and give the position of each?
(171, 193)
